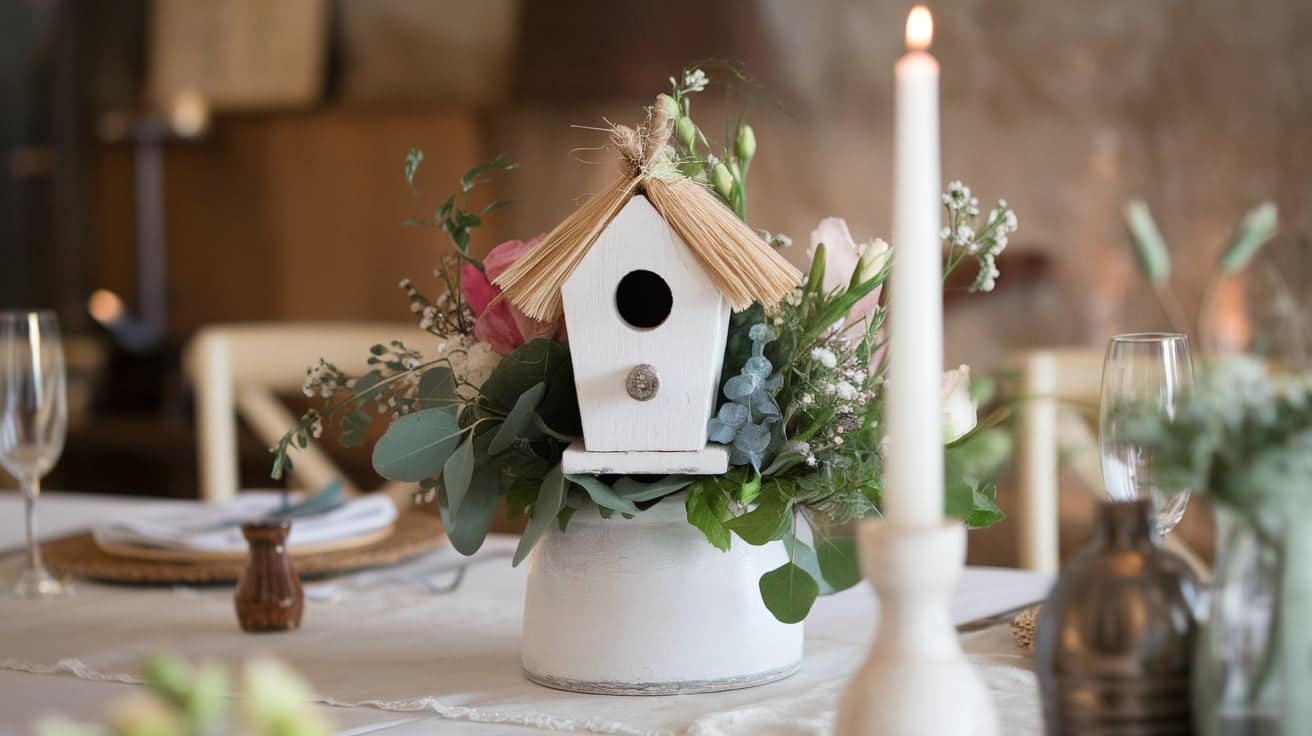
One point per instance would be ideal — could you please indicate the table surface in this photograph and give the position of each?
(385, 656)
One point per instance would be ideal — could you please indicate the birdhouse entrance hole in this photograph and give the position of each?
(643, 299)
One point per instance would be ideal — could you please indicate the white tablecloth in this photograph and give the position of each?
(383, 655)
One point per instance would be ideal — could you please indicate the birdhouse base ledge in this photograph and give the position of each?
(710, 460)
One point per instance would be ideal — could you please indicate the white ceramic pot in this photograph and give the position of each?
(646, 606)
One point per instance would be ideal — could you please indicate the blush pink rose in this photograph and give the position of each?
(497, 322)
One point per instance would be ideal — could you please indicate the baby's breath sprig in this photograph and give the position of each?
(965, 237)
(389, 388)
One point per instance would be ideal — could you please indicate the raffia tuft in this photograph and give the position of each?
(742, 265)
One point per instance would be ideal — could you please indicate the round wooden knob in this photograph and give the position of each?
(643, 383)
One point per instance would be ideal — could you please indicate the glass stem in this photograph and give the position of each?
(31, 489)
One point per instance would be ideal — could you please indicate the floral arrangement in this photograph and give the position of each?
(182, 700)
(487, 416)
(1244, 438)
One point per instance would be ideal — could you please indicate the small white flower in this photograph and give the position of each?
(316, 428)
(695, 80)
(811, 461)
(415, 307)
(838, 440)
(845, 391)
(824, 356)
(807, 399)
(405, 284)
(964, 235)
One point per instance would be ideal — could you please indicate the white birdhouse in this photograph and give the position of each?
(647, 328)
(645, 274)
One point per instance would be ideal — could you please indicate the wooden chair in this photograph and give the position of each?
(1054, 385)
(1058, 427)
(238, 369)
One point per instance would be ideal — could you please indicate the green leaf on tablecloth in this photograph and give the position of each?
(708, 509)
(637, 491)
(416, 446)
(765, 523)
(602, 494)
(789, 592)
(467, 526)
(840, 566)
(518, 420)
(457, 473)
(551, 497)
(437, 387)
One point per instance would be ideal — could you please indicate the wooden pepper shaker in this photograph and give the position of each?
(269, 595)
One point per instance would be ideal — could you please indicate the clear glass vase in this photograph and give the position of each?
(1255, 637)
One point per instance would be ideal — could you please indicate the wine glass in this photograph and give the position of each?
(1150, 370)
(33, 415)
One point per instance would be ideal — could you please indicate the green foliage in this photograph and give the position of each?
(1149, 246)
(468, 525)
(602, 494)
(417, 445)
(767, 522)
(1254, 231)
(708, 509)
(839, 564)
(458, 473)
(413, 158)
(519, 420)
(539, 361)
(458, 218)
(1243, 437)
(789, 592)
(550, 501)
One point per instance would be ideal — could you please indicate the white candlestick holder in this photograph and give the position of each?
(916, 679)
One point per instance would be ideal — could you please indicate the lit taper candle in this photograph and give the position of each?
(913, 481)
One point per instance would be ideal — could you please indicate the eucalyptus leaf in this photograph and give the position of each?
(437, 387)
(602, 494)
(789, 592)
(417, 445)
(457, 473)
(538, 361)
(551, 498)
(765, 523)
(468, 527)
(805, 557)
(542, 427)
(638, 492)
(518, 420)
(840, 566)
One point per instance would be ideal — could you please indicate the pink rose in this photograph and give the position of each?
(842, 258)
(497, 322)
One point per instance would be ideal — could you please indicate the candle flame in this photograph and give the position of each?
(920, 28)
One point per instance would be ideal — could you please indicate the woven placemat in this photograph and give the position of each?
(414, 533)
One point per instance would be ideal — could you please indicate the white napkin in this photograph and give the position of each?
(203, 528)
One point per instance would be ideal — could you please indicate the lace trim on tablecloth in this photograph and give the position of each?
(1013, 689)
(81, 670)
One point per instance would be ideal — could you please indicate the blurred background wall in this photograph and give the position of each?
(207, 161)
